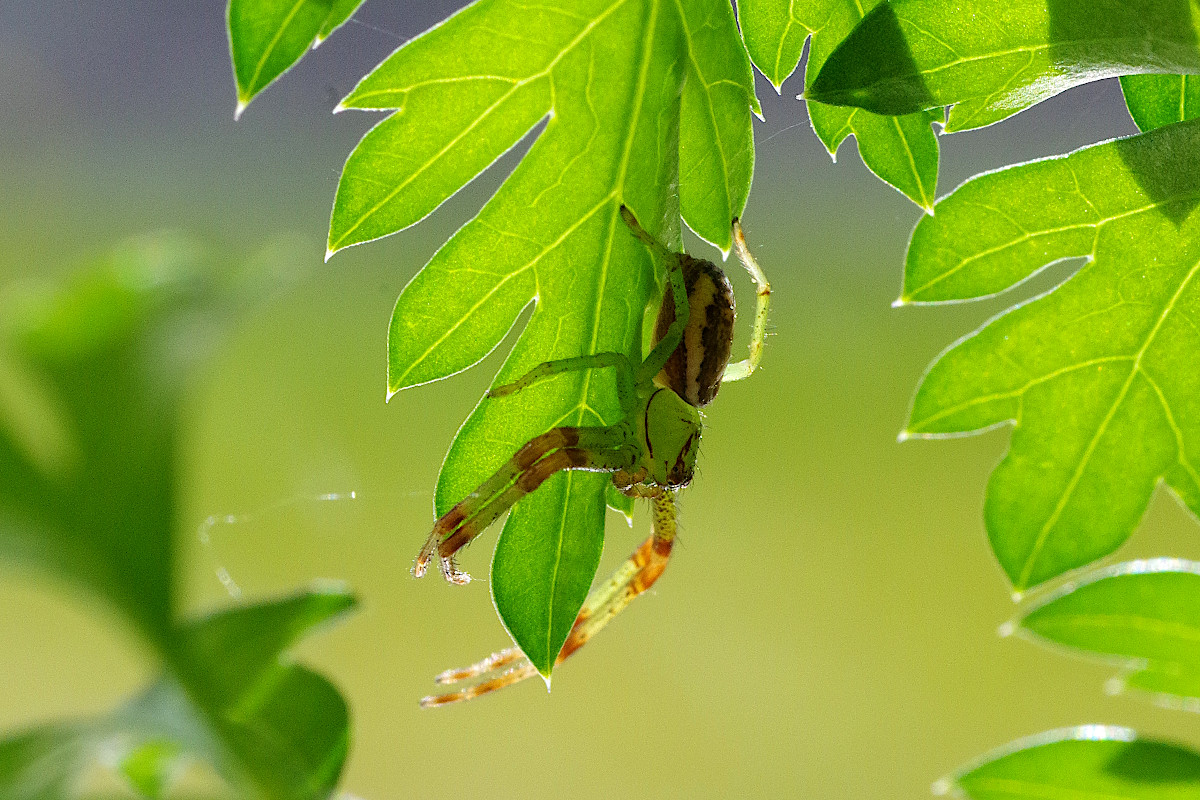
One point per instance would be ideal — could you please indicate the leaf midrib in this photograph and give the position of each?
(1052, 520)
(517, 86)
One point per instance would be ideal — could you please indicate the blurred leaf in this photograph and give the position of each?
(103, 363)
(997, 57)
(1087, 762)
(267, 37)
(623, 124)
(1158, 100)
(1101, 377)
(1147, 612)
(107, 354)
(902, 151)
(275, 730)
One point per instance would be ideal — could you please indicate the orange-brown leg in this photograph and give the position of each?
(637, 574)
(540, 458)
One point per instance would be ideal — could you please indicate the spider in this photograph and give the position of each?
(650, 452)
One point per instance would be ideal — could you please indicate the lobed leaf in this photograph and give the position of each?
(97, 370)
(1089, 761)
(901, 150)
(1101, 376)
(1146, 613)
(997, 57)
(1158, 100)
(268, 37)
(645, 102)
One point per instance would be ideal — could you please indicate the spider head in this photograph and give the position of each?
(671, 434)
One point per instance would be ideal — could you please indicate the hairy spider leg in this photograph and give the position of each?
(744, 368)
(635, 575)
(593, 449)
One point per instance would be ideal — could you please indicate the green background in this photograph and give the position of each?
(828, 623)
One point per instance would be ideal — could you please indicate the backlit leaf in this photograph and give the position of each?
(1101, 377)
(1157, 100)
(902, 151)
(1091, 761)
(644, 102)
(1146, 613)
(267, 37)
(993, 58)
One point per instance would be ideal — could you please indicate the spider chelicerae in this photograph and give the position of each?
(650, 452)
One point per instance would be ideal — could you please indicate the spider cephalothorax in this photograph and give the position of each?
(650, 452)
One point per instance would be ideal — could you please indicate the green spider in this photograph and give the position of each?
(650, 453)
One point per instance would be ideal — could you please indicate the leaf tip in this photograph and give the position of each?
(899, 302)
(904, 436)
(329, 251)
(546, 678)
(941, 787)
(1007, 629)
(242, 103)
(340, 107)
(1115, 685)
(1018, 594)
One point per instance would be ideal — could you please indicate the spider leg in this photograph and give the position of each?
(674, 335)
(637, 574)
(619, 361)
(591, 449)
(743, 368)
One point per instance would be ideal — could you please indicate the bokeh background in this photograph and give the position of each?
(828, 626)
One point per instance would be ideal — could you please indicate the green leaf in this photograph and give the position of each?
(1091, 761)
(91, 386)
(275, 730)
(1158, 100)
(623, 124)
(267, 37)
(1000, 56)
(1144, 612)
(1100, 376)
(902, 150)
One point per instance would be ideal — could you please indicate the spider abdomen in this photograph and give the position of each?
(695, 369)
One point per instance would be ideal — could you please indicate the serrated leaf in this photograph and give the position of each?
(268, 37)
(902, 151)
(609, 78)
(101, 366)
(1100, 376)
(996, 57)
(1146, 612)
(1090, 761)
(1158, 100)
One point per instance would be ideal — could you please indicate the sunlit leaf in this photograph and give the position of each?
(1146, 613)
(267, 37)
(993, 58)
(901, 150)
(1092, 761)
(1101, 377)
(1157, 100)
(623, 124)
(102, 365)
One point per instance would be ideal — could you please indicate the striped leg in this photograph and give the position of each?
(637, 574)
(589, 449)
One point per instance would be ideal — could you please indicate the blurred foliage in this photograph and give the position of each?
(92, 382)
